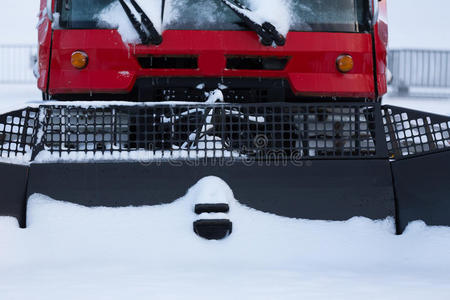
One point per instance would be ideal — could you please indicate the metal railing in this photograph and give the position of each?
(420, 72)
(16, 64)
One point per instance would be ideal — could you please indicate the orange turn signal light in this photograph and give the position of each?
(344, 63)
(79, 60)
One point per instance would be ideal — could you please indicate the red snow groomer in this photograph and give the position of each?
(280, 100)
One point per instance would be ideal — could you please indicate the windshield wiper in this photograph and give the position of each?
(153, 36)
(267, 31)
(136, 24)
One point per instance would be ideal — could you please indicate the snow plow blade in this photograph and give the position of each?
(329, 161)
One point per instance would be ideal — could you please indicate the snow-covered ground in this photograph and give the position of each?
(15, 96)
(439, 106)
(74, 252)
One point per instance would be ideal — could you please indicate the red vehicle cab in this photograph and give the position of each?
(203, 51)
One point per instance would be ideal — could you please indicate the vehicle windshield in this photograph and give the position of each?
(294, 15)
(298, 15)
(80, 14)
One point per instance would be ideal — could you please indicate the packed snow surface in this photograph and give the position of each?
(74, 252)
(440, 106)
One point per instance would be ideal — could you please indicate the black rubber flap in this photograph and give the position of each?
(13, 183)
(422, 186)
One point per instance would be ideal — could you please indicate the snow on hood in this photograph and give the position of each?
(276, 12)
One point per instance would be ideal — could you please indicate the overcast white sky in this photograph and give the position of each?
(18, 21)
(419, 23)
(413, 23)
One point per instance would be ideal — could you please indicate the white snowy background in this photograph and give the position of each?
(73, 252)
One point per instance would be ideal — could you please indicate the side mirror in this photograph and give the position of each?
(50, 10)
(374, 11)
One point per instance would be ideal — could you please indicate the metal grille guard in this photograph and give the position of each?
(262, 131)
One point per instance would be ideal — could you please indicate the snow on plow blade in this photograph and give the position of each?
(328, 161)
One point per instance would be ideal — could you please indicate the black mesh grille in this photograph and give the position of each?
(410, 132)
(193, 131)
(18, 131)
(258, 131)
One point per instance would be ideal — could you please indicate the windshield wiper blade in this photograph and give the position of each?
(155, 37)
(136, 24)
(266, 38)
(267, 32)
(279, 39)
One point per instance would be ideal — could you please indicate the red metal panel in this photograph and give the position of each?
(44, 40)
(113, 66)
(349, 85)
(381, 46)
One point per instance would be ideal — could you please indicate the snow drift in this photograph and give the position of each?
(74, 252)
